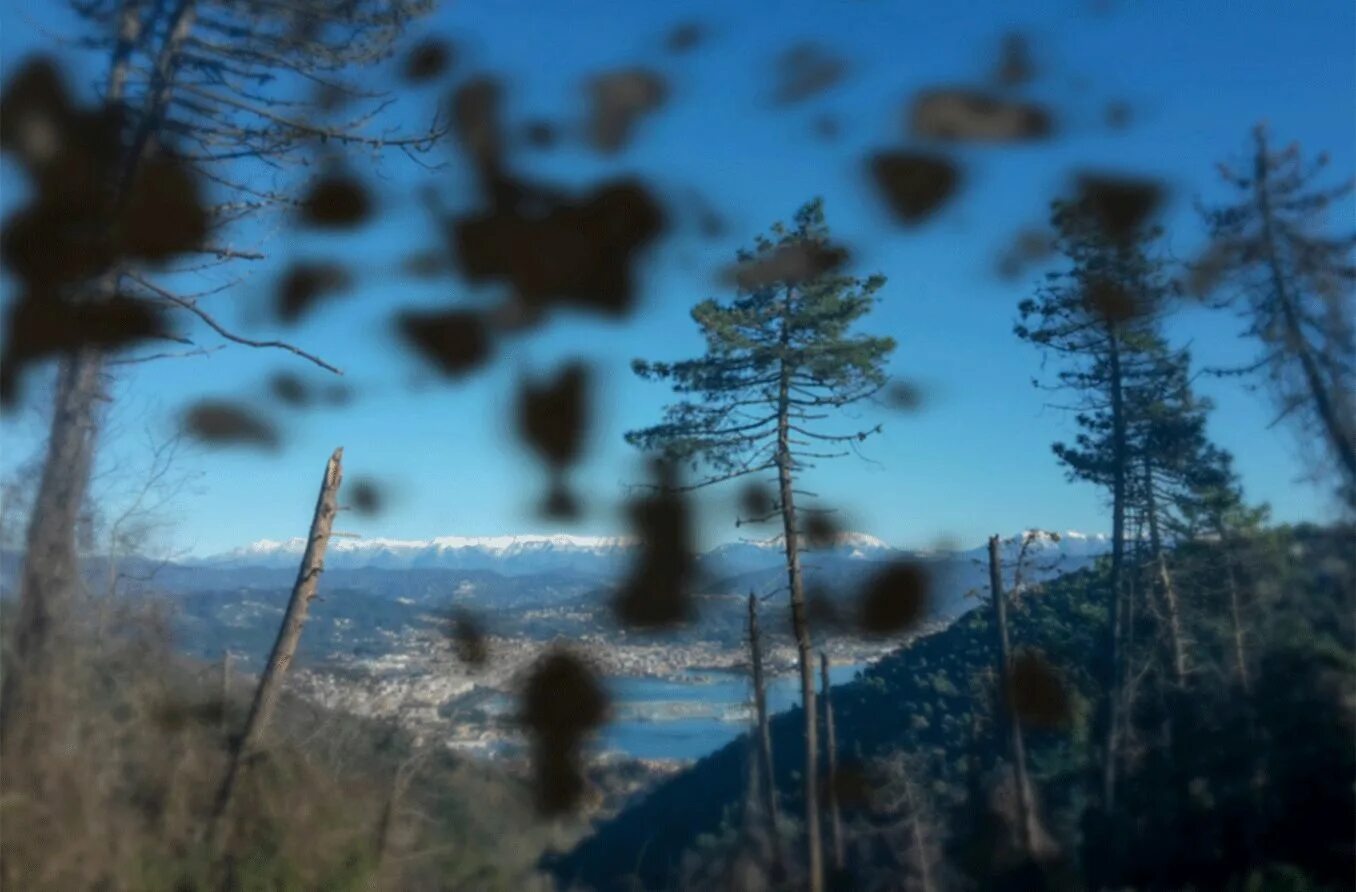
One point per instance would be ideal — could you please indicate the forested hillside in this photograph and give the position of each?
(1222, 783)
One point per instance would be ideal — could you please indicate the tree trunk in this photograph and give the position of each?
(1176, 640)
(285, 647)
(1334, 427)
(1026, 817)
(1112, 700)
(922, 857)
(767, 783)
(1235, 612)
(800, 626)
(831, 756)
(390, 814)
(51, 570)
(225, 691)
(51, 566)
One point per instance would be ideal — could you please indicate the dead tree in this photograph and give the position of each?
(284, 648)
(225, 689)
(831, 757)
(1164, 582)
(767, 784)
(1292, 277)
(219, 88)
(1026, 818)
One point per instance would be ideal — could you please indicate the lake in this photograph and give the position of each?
(696, 714)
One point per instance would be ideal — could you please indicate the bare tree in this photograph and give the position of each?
(285, 647)
(219, 89)
(831, 758)
(767, 782)
(1026, 812)
(1294, 283)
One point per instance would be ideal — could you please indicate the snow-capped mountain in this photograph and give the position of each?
(507, 555)
(604, 557)
(1047, 545)
(524, 555)
(734, 558)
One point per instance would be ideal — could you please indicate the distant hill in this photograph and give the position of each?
(929, 700)
(537, 587)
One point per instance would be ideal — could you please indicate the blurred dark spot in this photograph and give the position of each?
(617, 101)
(709, 222)
(330, 97)
(514, 314)
(540, 134)
(475, 121)
(805, 70)
(1110, 301)
(85, 215)
(553, 249)
(468, 639)
(895, 599)
(553, 421)
(685, 37)
(427, 60)
(36, 112)
(223, 423)
(1119, 205)
(755, 502)
(786, 264)
(547, 246)
(851, 784)
(174, 715)
(1036, 692)
(657, 591)
(335, 201)
(1029, 246)
(366, 497)
(970, 115)
(827, 127)
(822, 611)
(562, 702)
(1118, 115)
(454, 341)
(306, 283)
(1015, 66)
(38, 328)
(913, 185)
(425, 264)
(164, 215)
(1207, 272)
(904, 395)
(290, 390)
(338, 394)
(821, 531)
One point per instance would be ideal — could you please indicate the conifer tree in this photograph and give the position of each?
(1093, 318)
(1292, 282)
(781, 356)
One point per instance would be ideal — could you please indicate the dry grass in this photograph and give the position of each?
(110, 784)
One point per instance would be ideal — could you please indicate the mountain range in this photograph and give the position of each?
(604, 557)
(534, 587)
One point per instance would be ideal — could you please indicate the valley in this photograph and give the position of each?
(380, 642)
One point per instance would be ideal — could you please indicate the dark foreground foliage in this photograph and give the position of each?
(1224, 786)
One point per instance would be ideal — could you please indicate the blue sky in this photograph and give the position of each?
(976, 459)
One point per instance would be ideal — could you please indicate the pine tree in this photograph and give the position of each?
(1094, 318)
(781, 355)
(1293, 284)
(1217, 510)
(1166, 423)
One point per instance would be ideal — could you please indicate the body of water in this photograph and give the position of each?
(696, 714)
